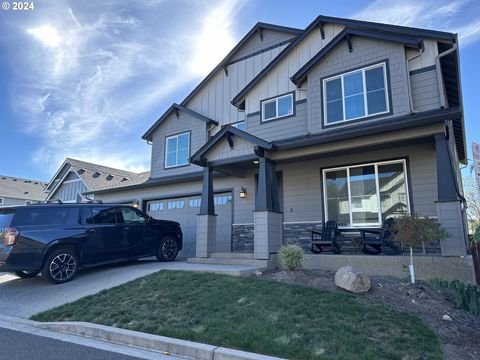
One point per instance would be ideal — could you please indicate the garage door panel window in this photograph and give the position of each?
(155, 206)
(178, 204)
(366, 195)
(222, 200)
(177, 150)
(193, 203)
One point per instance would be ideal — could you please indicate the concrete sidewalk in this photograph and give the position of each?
(25, 297)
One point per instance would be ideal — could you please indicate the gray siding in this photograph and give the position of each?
(68, 191)
(171, 126)
(365, 52)
(254, 44)
(425, 94)
(7, 201)
(223, 150)
(280, 128)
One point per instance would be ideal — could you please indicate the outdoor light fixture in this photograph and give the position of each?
(243, 193)
(255, 161)
(135, 203)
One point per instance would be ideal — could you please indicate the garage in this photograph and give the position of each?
(185, 209)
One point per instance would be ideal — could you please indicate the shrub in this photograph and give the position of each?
(467, 296)
(291, 257)
(413, 230)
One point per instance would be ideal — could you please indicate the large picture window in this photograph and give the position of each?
(366, 195)
(177, 150)
(356, 94)
(277, 107)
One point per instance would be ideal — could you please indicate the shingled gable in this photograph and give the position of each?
(228, 132)
(379, 29)
(176, 107)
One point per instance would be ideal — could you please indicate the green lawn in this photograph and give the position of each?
(256, 315)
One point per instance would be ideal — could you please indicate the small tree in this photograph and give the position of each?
(413, 230)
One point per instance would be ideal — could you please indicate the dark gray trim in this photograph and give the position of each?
(207, 206)
(346, 123)
(189, 150)
(446, 177)
(422, 70)
(294, 112)
(254, 114)
(301, 101)
(408, 177)
(266, 197)
(197, 158)
(369, 128)
(259, 52)
(392, 29)
(233, 160)
(175, 107)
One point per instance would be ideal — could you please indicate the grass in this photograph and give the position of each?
(256, 315)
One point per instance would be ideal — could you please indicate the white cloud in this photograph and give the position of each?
(434, 14)
(91, 77)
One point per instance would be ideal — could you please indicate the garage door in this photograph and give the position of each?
(185, 210)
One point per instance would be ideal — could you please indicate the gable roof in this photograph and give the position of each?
(229, 130)
(299, 77)
(18, 188)
(96, 177)
(320, 20)
(176, 107)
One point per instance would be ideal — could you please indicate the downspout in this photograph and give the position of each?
(439, 73)
(409, 85)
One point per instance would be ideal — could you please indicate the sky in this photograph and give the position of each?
(86, 78)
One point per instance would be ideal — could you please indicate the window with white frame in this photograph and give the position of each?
(356, 94)
(240, 126)
(178, 204)
(367, 194)
(194, 202)
(278, 107)
(155, 206)
(177, 150)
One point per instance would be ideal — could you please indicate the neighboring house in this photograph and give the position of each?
(75, 177)
(345, 120)
(16, 191)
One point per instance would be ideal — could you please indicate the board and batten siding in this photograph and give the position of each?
(277, 81)
(365, 52)
(173, 126)
(279, 128)
(425, 94)
(302, 180)
(68, 191)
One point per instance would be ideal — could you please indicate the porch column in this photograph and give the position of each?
(206, 219)
(449, 206)
(268, 220)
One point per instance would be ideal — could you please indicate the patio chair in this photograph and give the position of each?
(327, 237)
(381, 240)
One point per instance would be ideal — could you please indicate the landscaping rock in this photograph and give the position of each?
(351, 280)
(447, 317)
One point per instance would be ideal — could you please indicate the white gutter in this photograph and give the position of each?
(409, 85)
(441, 87)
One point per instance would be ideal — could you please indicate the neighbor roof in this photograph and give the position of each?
(320, 20)
(18, 188)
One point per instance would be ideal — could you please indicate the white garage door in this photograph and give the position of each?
(185, 210)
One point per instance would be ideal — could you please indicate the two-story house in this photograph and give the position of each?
(345, 120)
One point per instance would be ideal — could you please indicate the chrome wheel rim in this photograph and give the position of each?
(62, 267)
(169, 248)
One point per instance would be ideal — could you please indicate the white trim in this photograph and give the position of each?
(302, 222)
(71, 181)
(60, 182)
(249, 224)
(268, 101)
(377, 185)
(364, 81)
(55, 176)
(176, 150)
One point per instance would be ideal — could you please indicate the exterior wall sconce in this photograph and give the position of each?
(135, 203)
(243, 193)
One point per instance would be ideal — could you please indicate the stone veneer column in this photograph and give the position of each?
(206, 219)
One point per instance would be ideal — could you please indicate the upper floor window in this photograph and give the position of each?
(278, 107)
(240, 125)
(177, 150)
(356, 94)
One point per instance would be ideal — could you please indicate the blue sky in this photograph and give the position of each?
(86, 79)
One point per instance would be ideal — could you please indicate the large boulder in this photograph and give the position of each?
(351, 280)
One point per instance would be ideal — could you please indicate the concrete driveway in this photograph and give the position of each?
(25, 297)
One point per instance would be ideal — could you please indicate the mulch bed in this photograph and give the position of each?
(460, 337)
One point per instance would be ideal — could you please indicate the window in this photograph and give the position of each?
(131, 216)
(356, 94)
(179, 204)
(365, 195)
(222, 199)
(277, 108)
(194, 202)
(155, 206)
(1, 201)
(240, 125)
(45, 216)
(100, 215)
(177, 150)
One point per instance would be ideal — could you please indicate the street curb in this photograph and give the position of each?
(163, 344)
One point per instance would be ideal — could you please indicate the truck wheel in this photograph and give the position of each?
(60, 266)
(167, 249)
